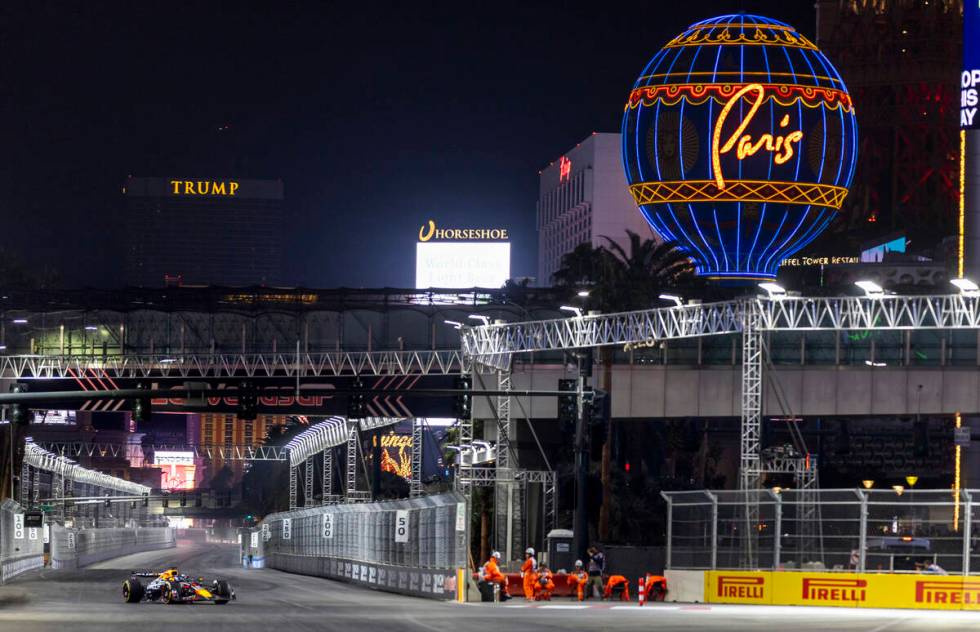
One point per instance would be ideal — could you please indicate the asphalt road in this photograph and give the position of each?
(271, 601)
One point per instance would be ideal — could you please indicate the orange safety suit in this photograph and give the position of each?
(529, 572)
(616, 580)
(579, 579)
(651, 581)
(492, 574)
(543, 586)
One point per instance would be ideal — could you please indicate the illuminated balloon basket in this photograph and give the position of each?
(739, 143)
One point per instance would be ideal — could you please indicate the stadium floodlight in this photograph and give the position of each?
(966, 287)
(774, 290)
(454, 323)
(91, 328)
(569, 308)
(583, 293)
(20, 321)
(671, 297)
(480, 317)
(876, 364)
(872, 289)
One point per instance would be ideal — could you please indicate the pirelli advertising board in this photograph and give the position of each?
(849, 590)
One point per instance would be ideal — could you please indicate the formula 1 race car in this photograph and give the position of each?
(171, 586)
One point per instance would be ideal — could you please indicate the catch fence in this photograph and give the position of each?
(857, 530)
(412, 545)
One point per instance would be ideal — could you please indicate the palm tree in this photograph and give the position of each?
(637, 277)
(621, 280)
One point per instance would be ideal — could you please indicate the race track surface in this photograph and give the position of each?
(272, 601)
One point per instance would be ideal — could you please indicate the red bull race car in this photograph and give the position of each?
(171, 586)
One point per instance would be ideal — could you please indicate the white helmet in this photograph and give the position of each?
(496, 554)
(529, 551)
(578, 563)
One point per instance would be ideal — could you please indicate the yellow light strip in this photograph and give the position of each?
(960, 255)
(684, 191)
(956, 481)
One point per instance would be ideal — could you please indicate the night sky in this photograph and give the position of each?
(376, 115)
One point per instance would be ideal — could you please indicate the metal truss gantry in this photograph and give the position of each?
(493, 345)
(322, 438)
(63, 474)
(415, 485)
(229, 365)
(226, 452)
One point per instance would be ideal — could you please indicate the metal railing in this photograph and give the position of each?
(856, 530)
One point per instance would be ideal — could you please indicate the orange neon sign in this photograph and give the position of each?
(745, 146)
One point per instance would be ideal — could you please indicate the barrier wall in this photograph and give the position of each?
(411, 546)
(849, 590)
(75, 548)
(21, 548)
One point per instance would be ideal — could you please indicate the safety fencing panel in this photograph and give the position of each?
(845, 530)
(21, 547)
(76, 548)
(410, 546)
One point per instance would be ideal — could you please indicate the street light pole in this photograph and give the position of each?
(581, 530)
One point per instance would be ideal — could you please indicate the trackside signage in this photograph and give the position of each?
(970, 77)
(849, 590)
(736, 587)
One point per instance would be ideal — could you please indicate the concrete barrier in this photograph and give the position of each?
(918, 591)
(21, 548)
(430, 582)
(77, 548)
(685, 586)
(411, 546)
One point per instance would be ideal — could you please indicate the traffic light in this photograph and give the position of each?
(248, 401)
(166, 503)
(19, 413)
(597, 407)
(198, 501)
(183, 500)
(567, 405)
(142, 408)
(146, 500)
(357, 401)
(107, 503)
(464, 397)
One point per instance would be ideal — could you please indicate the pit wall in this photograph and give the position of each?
(75, 548)
(848, 590)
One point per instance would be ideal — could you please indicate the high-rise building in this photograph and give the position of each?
(227, 430)
(203, 231)
(583, 197)
(900, 60)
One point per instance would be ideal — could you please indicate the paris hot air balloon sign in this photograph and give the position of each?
(739, 144)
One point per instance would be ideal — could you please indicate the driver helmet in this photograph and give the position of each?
(578, 563)
(529, 551)
(496, 554)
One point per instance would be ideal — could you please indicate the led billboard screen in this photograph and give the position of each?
(449, 264)
(970, 78)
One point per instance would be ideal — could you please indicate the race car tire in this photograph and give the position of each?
(222, 592)
(132, 590)
(171, 593)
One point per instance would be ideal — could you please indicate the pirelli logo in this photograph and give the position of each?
(741, 587)
(951, 592)
(829, 589)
